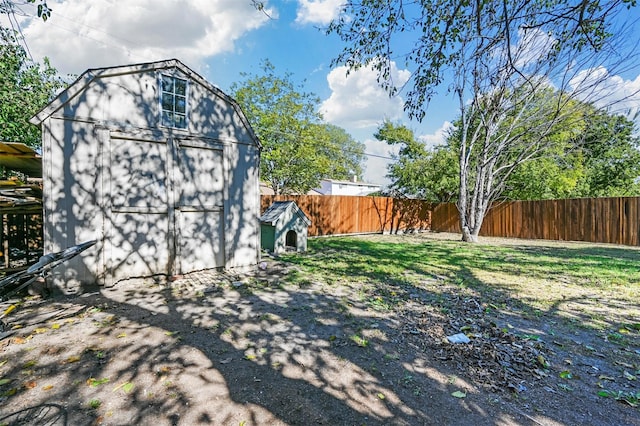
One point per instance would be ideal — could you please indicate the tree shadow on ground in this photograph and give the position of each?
(283, 347)
(226, 355)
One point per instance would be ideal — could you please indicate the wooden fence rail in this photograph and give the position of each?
(335, 215)
(598, 220)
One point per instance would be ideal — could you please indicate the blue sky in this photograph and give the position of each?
(222, 38)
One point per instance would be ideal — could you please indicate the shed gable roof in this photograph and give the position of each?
(278, 209)
(92, 74)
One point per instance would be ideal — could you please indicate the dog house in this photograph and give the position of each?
(284, 226)
(156, 164)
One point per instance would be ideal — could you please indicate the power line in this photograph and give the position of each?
(13, 21)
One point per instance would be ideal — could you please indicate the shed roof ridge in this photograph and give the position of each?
(92, 74)
(275, 211)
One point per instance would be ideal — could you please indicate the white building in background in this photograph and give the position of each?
(345, 187)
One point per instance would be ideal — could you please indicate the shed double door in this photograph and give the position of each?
(165, 214)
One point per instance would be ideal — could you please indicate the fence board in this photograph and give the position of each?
(599, 220)
(337, 215)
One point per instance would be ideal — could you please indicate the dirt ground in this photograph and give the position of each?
(219, 349)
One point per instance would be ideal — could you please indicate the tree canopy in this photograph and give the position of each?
(299, 149)
(25, 88)
(600, 159)
(418, 172)
(517, 69)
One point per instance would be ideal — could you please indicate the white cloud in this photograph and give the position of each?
(319, 11)
(358, 101)
(439, 137)
(612, 92)
(376, 165)
(532, 47)
(88, 34)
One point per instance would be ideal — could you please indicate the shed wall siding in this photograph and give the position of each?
(72, 195)
(87, 195)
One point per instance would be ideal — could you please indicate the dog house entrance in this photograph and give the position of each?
(291, 239)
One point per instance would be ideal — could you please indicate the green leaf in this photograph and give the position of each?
(93, 382)
(127, 387)
(459, 394)
(566, 374)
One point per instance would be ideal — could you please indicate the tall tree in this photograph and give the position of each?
(298, 148)
(500, 59)
(25, 88)
(418, 172)
(603, 161)
(610, 149)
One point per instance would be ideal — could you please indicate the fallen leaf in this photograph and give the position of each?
(74, 358)
(459, 394)
(543, 362)
(9, 310)
(55, 326)
(29, 364)
(566, 374)
(629, 376)
(16, 327)
(40, 330)
(47, 387)
(121, 335)
(30, 385)
(603, 377)
(171, 333)
(93, 382)
(127, 387)
(4, 381)
(381, 395)
(10, 392)
(19, 340)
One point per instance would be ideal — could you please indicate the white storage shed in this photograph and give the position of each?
(158, 165)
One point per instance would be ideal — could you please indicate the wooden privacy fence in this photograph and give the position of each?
(341, 214)
(598, 220)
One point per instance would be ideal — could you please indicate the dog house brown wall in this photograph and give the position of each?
(283, 226)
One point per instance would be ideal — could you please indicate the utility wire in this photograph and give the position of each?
(13, 21)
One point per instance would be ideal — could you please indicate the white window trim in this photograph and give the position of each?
(186, 105)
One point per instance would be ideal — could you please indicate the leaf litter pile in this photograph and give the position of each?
(494, 357)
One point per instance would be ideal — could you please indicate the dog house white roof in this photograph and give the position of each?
(158, 165)
(284, 225)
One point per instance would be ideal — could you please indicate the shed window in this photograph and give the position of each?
(173, 102)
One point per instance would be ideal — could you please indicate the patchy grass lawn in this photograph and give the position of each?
(588, 286)
(353, 332)
(579, 302)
